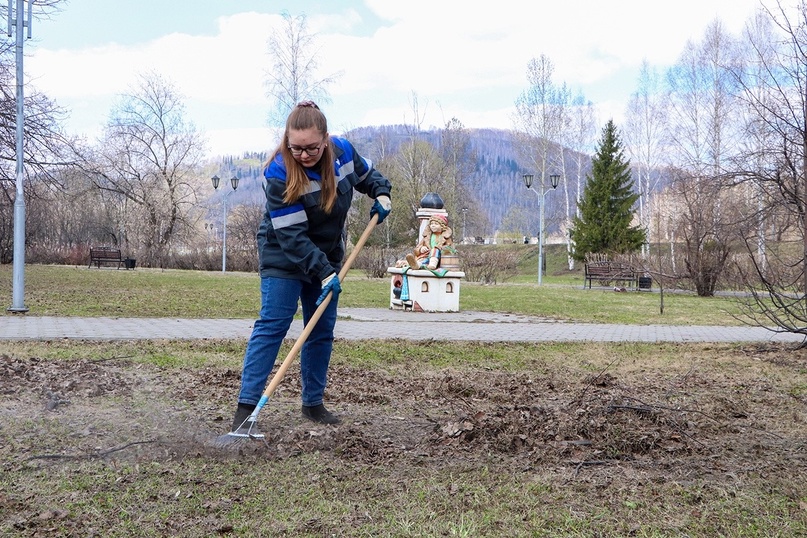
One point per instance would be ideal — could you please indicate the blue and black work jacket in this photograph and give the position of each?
(299, 240)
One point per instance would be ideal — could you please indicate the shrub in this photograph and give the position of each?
(488, 265)
(374, 261)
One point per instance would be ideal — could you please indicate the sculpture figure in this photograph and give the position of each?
(437, 235)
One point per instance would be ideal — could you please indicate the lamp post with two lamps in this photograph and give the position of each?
(554, 179)
(234, 182)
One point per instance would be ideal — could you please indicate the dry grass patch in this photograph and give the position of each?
(473, 440)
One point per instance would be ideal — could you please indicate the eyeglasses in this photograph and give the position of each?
(311, 152)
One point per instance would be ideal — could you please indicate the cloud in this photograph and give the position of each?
(464, 61)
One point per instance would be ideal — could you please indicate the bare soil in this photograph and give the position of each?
(732, 415)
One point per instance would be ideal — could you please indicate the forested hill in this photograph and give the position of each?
(496, 177)
(498, 184)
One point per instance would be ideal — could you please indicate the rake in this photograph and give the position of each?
(295, 349)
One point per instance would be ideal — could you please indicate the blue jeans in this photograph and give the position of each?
(279, 298)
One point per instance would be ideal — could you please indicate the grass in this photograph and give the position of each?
(79, 291)
(189, 492)
(717, 489)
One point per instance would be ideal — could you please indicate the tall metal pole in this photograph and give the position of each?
(541, 233)
(464, 211)
(234, 182)
(18, 278)
(224, 236)
(554, 178)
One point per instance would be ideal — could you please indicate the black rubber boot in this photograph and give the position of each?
(318, 413)
(241, 414)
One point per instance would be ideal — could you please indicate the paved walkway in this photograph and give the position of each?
(368, 323)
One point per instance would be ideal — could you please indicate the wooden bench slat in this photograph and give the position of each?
(99, 255)
(606, 271)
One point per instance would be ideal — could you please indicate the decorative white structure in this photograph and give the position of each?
(418, 285)
(420, 290)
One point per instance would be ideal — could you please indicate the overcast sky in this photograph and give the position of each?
(461, 59)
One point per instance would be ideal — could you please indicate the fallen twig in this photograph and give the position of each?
(598, 376)
(641, 410)
(89, 456)
(677, 409)
(94, 361)
(587, 463)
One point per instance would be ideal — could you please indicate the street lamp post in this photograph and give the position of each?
(18, 271)
(234, 182)
(464, 211)
(554, 179)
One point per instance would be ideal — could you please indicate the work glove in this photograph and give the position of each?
(330, 285)
(382, 206)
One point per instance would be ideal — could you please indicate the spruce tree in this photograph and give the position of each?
(606, 205)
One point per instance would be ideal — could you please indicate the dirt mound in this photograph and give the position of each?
(76, 430)
(539, 419)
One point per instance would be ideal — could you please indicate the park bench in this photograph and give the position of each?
(99, 255)
(606, 272)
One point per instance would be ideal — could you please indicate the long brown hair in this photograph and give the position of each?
(305, 115)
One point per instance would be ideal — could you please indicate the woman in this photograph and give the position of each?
(309, 188)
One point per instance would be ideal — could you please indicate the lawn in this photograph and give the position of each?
(463, 439)
(79, 291)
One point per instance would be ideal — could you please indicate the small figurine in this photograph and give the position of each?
(436, 236)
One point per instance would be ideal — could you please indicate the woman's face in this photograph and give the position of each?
(307, 145)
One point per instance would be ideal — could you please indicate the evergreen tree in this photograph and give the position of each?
(606, 206)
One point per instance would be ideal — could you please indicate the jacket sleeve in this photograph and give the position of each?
(290, 225)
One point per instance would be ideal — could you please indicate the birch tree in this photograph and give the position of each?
(538, 115)
(702, 140)
(580, 137)
(294, 75)
(644, 129)
(539, 120)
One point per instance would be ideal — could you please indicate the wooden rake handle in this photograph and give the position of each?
(309, 327)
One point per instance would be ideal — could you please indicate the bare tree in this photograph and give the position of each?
(754, 154)
(702, 140)
(147, 164)
(580, 137)
(539, 118)
(775, 91)
(459, 158)
(293, 76)
(418, 169)
(46, 147)
(244, 220)
(644, 128)
(63, 221)
(380, 147)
